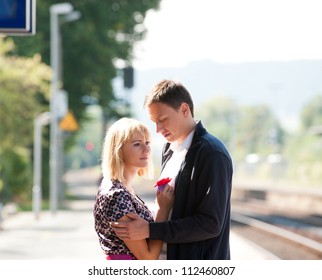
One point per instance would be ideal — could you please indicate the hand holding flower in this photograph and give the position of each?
(165, 199)
(162, 183)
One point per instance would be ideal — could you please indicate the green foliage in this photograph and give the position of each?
(105, 33)
(272, 153)
(88, 142)
(312, 113)
(245, 130)
(24, 84)
(1, 180)
(259, 130)
(91, 46)
(16, 174)
(304, 149)
(219, 116)
(304, 154)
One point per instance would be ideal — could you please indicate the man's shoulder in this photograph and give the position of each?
(210, 144)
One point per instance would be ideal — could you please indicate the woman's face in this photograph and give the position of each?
(136, 151)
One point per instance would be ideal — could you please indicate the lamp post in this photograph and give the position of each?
(40, 121)
(55, 11)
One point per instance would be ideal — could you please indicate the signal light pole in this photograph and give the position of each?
(55, 11)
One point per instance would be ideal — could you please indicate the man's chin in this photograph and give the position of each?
(170, 139)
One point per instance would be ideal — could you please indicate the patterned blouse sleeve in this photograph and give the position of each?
(120, 204)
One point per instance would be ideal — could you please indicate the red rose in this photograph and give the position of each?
(162, 183)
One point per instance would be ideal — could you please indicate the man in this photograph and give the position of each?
(202, 173)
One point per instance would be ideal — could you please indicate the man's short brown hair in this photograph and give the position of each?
(171, 93)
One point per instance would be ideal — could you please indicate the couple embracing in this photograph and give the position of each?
(193, 216)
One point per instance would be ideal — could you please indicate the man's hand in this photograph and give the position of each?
(134, 229)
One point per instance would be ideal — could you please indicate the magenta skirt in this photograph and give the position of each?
(119, 257)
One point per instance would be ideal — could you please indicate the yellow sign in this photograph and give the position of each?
(69, 123)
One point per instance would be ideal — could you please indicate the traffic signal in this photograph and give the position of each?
(128, 76)
(89, 146)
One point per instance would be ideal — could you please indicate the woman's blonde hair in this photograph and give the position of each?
(112, 157)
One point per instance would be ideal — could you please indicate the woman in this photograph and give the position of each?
(126, 152)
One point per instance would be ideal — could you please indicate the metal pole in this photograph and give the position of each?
(55, 11)
(36, 190)
(42, 119)
(54, 125)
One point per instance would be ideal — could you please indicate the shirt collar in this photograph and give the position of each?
(185, 145)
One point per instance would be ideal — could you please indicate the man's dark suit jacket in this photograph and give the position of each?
(200, 223)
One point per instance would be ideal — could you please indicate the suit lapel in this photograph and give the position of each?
(166, 155)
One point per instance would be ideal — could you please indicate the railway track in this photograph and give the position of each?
(287, 235)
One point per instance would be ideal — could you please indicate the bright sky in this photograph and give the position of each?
(231, 31)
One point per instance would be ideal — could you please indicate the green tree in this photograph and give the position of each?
(15, 173)
(105, 33)
(311, 114)
(309, 146)
(92, 47)
(244, 129)
(24, 84)
(259, 131)
(219, 116)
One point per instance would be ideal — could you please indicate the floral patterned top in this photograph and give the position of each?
(113, 201)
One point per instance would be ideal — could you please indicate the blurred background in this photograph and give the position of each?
(254, 71)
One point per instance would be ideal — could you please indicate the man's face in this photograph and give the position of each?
(169, 122)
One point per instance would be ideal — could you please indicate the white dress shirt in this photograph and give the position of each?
(171, 170)
(179, 152)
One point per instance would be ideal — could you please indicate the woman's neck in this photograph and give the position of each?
(128, 179)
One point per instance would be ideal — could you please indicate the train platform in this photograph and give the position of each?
(243, 249)
(69, 234)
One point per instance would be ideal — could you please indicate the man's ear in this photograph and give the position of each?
(184, 108)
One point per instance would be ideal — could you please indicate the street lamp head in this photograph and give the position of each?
(61, 8)
(75, 15)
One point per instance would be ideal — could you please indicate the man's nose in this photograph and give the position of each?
(158, 127)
